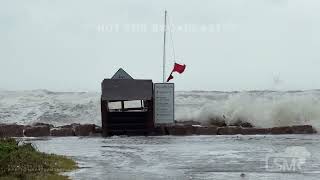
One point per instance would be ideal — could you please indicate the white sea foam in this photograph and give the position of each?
(261, 108)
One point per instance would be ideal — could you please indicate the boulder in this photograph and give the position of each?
(252, 131)
(190, 129)
(84, 129)
(188, 122)
(62, 132)
(178, 130)
(42, 124)
(98, 129)
(11, 130)
(211, 130)
(229, 130)
(241, 124)
(216, 121)
(37, 131)
(73, 125)
(246, 124)
(281, 130)
(160, 131)
(304, 129)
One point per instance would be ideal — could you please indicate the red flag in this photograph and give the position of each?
(170, 77)
(179, 68)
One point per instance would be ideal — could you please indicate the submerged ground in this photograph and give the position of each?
(190, 157)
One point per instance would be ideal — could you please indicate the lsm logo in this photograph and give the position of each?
(291, 160)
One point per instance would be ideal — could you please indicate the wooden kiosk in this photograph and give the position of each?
(126, 105)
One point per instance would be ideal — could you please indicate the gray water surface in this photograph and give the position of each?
(190, 157)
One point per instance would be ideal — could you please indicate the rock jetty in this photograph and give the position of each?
(178, 129)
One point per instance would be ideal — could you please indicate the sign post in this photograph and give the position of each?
(164, 103)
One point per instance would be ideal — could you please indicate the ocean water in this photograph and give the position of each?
(261, 108)
(270, 157)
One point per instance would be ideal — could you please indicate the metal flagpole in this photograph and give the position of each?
(164, 47)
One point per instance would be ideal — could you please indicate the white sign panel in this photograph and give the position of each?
(164, 103)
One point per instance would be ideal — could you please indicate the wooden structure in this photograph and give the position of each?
(127, 106)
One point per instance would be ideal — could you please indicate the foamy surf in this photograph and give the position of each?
(260, 108)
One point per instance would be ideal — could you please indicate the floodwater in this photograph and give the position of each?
(190, 157)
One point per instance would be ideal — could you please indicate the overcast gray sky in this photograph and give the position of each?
(71, 45)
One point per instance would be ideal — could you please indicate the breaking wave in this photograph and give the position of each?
(260, 108)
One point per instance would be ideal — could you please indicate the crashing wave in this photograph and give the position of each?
(260, 108)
